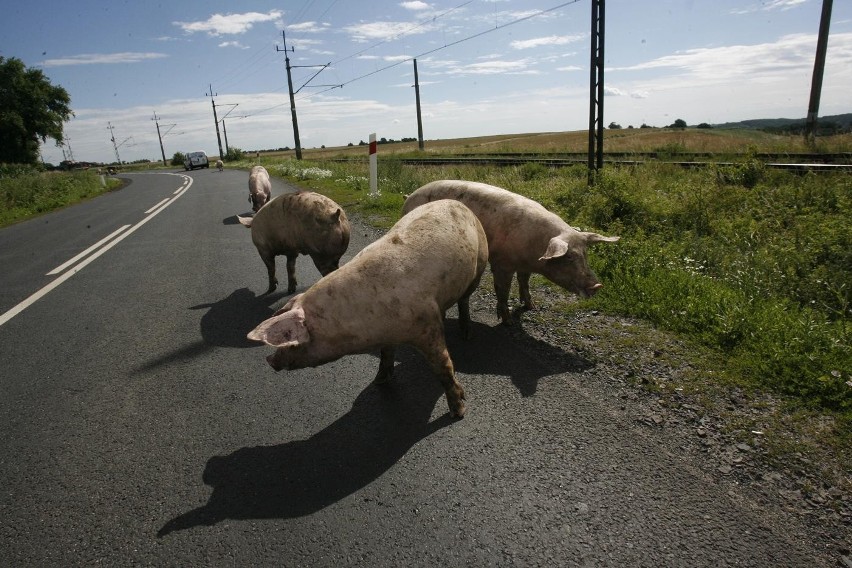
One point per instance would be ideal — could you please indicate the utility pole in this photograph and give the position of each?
(215, 119)
(292, 95)
(417, 99)
(819, 66)
(224, 130)
(162, 151)
(114, 145)
(596, 90)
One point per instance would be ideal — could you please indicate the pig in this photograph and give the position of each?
(523, 237)
(260, 188)
(395, 291)
(299, 223)
(220, 165)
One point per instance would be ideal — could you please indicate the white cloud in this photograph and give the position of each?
(233, 44)
(219, 24)
(768, 6)
(372, 31)
(518, 67)
(415, 5)
(766, 62)
(102, 58)
(549, 40)
(308, 27)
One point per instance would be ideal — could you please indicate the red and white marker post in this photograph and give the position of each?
(374, 169)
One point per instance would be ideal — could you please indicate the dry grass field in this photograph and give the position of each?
(718, 141)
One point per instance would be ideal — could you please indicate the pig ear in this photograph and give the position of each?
(245, 220)
(596, 238)
(555, 248)
(336, 215)
(284, 330)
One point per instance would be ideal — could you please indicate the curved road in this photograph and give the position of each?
(140, 427)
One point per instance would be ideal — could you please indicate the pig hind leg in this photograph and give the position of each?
(269, 261)
(464, 309)
(291, 273)
(524, 289)
(385, 373)
(502, 287)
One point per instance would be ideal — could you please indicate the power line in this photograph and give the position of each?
(403, 33)
(431, 51)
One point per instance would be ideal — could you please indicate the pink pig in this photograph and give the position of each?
(395, 291)
(299, 223)
(523, 237)
(260, 188)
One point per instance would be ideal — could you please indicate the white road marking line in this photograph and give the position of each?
(62, 267)
(44, 291)
(157, 205)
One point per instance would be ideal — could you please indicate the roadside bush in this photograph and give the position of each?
(234, 155)
(178, 159)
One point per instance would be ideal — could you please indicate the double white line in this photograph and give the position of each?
(96, 250)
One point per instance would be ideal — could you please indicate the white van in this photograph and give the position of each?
(195, 160)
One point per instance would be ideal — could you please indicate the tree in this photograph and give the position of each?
(614, 126)
(31, 109)
(679, 123)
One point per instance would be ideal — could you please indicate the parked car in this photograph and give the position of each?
(195, 160)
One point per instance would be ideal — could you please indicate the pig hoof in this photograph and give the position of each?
(271, 289)
(291, 289)
(383, 377)
(459, 410)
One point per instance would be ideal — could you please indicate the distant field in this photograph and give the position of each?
(721, 141)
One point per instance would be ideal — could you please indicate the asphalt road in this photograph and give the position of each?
(141, 427)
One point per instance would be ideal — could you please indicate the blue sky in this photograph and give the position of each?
(699, 60)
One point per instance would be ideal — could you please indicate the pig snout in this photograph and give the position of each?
(591, 291)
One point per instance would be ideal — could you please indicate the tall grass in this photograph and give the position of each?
(26, 192)
(754, 263)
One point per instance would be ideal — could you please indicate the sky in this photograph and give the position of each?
(485, 67)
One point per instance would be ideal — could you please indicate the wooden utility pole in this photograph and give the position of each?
(160, 138)
(819, 66)
(596, 90)
(292, 96)
(215, 119)
(417, 99)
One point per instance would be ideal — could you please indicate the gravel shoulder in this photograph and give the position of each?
(766, 453)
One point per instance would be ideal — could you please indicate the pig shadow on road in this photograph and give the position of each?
(511, 352)
(227, 321)
(232, 220)
(225, 324)
(302, 477)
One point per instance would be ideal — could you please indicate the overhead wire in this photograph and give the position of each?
(445, 46)
(425, 53)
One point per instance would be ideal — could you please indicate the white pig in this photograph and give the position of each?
(395, 291)
(523, 237)
(299, 223)
(260, 188)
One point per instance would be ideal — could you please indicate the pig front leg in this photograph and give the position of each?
(269, 261)
(442, 365)
(291, 273)
(434, 348)
(502, 287)
(385, 373)
(524, 289)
